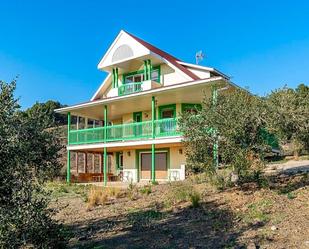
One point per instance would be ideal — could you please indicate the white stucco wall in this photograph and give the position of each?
(177, 159)
(169, 76)
(129, 160)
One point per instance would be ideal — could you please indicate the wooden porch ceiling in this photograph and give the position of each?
(131, 103)
(137, 147)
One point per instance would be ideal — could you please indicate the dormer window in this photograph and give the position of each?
(134, 77)
(139, 76)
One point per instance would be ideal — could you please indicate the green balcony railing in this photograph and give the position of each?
(86, 136)
(124, 132)
(129, 88)
(129, 131)
(166, 127)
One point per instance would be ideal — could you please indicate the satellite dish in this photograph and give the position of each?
(199, 56)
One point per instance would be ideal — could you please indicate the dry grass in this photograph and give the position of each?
(191, 214)
(183, 192)
(96, 196)
(100, 196)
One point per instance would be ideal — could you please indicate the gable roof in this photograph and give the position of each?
(169, 59)
(166, 56)
(215, 71)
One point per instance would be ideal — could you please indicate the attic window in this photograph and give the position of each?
(122, 52)
(138, 76)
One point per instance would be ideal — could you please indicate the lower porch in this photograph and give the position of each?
(127, 164)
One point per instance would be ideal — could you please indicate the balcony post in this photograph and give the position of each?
(153, 170)
(68, 151)
(113, 78)
(149, 70)
(145, 70)
(116, 78)
(105, 149)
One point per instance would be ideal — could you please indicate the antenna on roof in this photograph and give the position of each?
(199, 56)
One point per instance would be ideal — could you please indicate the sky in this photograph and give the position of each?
(54, 46)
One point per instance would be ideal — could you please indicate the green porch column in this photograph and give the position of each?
(153, 158)
(105, 166)
(105, 149)
(68, 151)
(215, 134)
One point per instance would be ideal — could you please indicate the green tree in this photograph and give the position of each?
(289, 116)
(237, 119)
(28, 153)
(47, 109)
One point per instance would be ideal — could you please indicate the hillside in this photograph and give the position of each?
(190, 214)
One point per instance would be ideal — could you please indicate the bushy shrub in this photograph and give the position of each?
(195, 198)
(235, 121)
(288, 111)
(28, 156)
(220, 182)
(132, 191)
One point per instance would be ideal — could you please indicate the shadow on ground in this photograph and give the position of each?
(287, 182)
(208, 226)
(282, 182)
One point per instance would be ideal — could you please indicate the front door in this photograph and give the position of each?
(137, 128)
(145, 165)
(160, 165)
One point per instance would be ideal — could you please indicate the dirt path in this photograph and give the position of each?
(289, 167)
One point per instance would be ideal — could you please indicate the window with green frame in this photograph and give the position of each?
(191, 108)
(156, 73)
(119, 160)
(138, 76)
(167, 111)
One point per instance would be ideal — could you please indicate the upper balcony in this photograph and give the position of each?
(125, 132)
(143, 78)
(133, 87)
